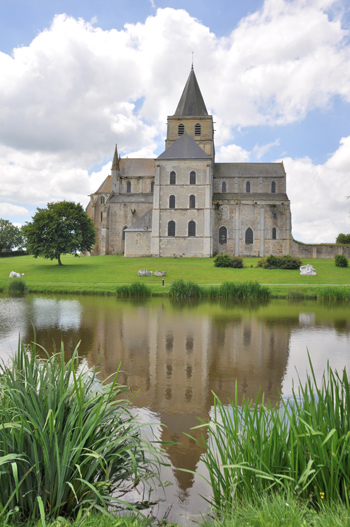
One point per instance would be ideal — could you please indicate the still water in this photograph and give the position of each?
(177, 354)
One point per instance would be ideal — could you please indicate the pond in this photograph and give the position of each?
(177, 353)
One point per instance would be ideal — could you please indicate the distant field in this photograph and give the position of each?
(101, 274)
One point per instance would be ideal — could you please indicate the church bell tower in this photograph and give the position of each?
(191, 116)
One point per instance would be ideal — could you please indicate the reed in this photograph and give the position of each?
(301, 447)
(136, 289)
(337, 293)
(17, 287)
(237, 290)
(67, 442)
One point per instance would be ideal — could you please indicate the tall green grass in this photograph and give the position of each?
(300, 448)
(67, 442)
(334, 293)
(136, 289)
(238, 290)
(17, 287)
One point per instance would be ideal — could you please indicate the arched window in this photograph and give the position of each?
(123, 234)
(248, 236)
(171, 228)
(192, 228)
(152, 187)
(192, 178)
(171, 202)
(172, 178)
(192, 202)
(128, 187)
(223, 186)
(222, 235)
(101, 217)
(274, 232)
(247, 187)
(197, 129)
(273, 187)
(181, 129)
(102, 200)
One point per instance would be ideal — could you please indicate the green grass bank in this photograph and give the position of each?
(102, 274)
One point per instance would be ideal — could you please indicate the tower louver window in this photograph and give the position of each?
(181, 129)
(197, 129)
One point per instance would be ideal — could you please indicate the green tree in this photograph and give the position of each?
(10, 236)
(343, 239)
(61, 228)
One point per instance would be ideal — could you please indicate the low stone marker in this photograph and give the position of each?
(14, 275)
(145, 272)
(307, 270)
(159, 273)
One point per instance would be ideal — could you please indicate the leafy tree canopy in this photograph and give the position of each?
(343, 238)
(10, 236)
(61, 228)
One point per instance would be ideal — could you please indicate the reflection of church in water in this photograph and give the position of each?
(175, 355)
(177, 358)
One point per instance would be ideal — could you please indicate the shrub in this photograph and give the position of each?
(340, 260)
(285, 261)
(9, 254)
(237, 262)
(243, 290)
(17, 286)
(67, 442)
(223, 260)
(343, 239)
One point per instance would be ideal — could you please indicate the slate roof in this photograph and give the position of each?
(191, 101)
(106, 185)
(227, 170)
(143, 224)
(136, 167)
(184, 148)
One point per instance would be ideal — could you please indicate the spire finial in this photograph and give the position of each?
(192, 60)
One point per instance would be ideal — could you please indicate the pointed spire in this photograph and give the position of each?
(115, 163)
(191, 102)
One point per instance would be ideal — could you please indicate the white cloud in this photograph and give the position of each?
(260, 151)
(318, 194)
(8, 209)
(232, 153)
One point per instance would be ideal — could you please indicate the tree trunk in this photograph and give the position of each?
(59, 260)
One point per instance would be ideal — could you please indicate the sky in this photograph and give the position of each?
(78, 77)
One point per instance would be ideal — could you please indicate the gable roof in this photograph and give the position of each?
(191, 101)
(184, 148)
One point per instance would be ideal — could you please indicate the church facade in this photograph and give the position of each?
(183, 203)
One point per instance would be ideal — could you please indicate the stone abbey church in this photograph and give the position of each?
(183, 203)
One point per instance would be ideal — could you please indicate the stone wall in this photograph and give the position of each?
(323, 250)
(137, 244)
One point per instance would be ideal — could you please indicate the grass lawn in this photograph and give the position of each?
(101, 274)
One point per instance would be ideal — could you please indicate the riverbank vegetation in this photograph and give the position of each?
(102, 274)
(299, 448)
(237, 290)
(68, 444)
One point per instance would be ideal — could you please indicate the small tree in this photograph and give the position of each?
(61, 228)
(344, 239)
(10, 236)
